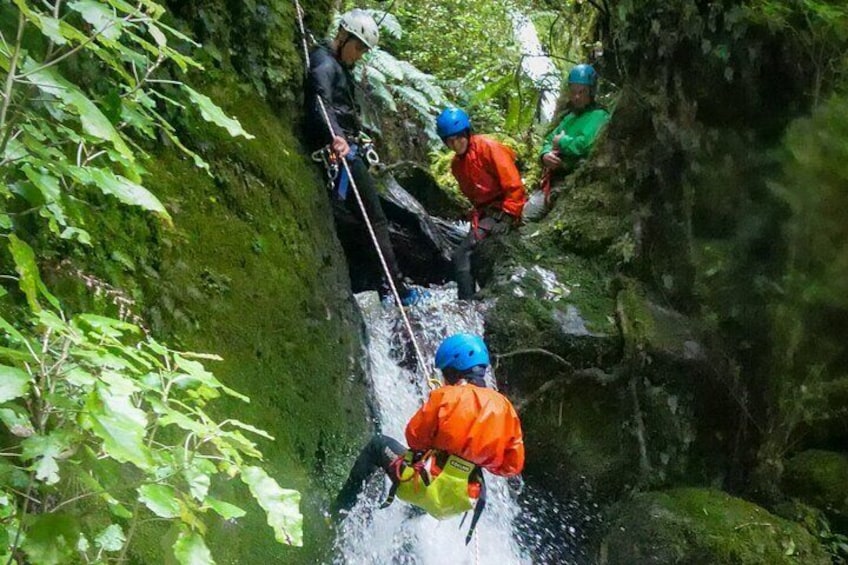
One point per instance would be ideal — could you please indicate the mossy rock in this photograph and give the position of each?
(700, 526)
(820, 478)
(578, 445)
(549, 300)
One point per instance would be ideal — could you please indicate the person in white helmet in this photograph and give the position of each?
(329, 78)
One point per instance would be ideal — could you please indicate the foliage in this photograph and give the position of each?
(814, 282)
(816, 28)
(106, 427)
(397, 86)
(111, 425)
(64, 133)
(470, 48)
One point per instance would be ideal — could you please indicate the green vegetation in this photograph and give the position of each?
(690, 525)
(109, 427)
(105, 428)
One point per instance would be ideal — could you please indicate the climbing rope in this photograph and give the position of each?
(303, 36)
(431, 382)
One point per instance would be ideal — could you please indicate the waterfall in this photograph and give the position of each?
(400, 534)
(536, 64)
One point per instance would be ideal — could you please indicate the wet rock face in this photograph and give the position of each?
(820, 478)
(615, 390)
(703, 526)
(423, 243)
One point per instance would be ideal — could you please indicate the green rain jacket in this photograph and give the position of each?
(580, 131)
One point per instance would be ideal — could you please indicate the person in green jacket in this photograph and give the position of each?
(573, 138)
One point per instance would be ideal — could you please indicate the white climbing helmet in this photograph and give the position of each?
(361, 25)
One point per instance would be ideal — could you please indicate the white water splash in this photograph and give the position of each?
(398, 534)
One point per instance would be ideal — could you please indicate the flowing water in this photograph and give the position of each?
(512, 530)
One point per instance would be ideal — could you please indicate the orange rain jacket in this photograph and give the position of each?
(475, 423)
(487, 176)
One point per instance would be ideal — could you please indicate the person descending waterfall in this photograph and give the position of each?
(329, 78)
(572, 140)
(488, 177)
(463, 427)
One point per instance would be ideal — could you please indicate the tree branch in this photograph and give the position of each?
(10, 83)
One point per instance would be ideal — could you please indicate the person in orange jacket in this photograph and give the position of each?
(464, 418)
(488, 177)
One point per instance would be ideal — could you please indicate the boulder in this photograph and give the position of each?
(704, 527)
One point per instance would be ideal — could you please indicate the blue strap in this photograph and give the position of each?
(343, 182)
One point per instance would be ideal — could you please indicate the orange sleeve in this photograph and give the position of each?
(513, 456)
(503, 161)
(424, 424)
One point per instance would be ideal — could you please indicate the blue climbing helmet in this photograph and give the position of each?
(583, 74)
(451, 122)
(462, 352)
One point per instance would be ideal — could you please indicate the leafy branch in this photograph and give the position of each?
(85, 399)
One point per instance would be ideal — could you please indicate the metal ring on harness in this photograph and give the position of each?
(371, 155)
(328, 158)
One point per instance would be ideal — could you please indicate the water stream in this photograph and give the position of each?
(509, 532)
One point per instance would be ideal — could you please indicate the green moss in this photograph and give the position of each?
(589, 216)
(703, 526)
(820, 478)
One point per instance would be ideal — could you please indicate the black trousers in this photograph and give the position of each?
(463, 274)
(377, 454)
(371, 200)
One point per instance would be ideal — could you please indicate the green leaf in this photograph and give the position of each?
(103, 20)
(24, 258)
(112, 417)
(111, 539)
(190, 549)
(51, 539)
(30, 281)
(226, 510)
(45, 182)
(211, 112)
(45, 451)
(281, 505)
(17, 421)
(14, 383)
(121, 188)
(107, 326)
(76, 233)
(198, 483)
(50, 27)
(160, 499)
(249, 428)
(94, 122)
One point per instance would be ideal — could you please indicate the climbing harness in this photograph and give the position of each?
(330, 161)
(454, 488)
(345, 169)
